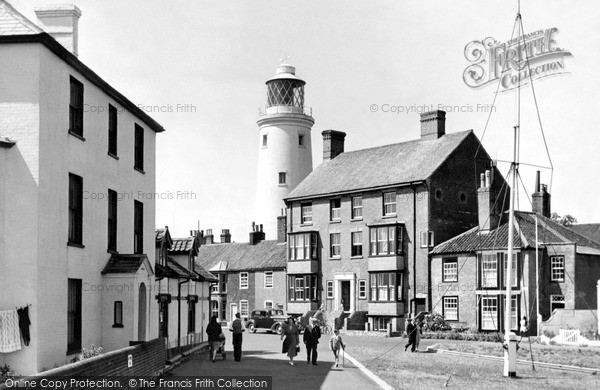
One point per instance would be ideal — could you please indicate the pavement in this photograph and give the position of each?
(261, 356)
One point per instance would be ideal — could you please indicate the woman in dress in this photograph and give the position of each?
(291, 343)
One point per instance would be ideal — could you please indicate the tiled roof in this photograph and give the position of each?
(381, 166)
(180, 271)
(182, 245)
(589, 230)
(549, 232)
(204, 274)
(244, 257)
(162, 235)
(124, 264)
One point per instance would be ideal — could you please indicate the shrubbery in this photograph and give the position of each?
(453, 335)
(6, 373)
(91, 352)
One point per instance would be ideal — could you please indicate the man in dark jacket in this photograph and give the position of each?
(237, 328)
(411, 333)
(312, 334)
(213, 330)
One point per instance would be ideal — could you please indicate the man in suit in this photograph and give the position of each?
(312, 334)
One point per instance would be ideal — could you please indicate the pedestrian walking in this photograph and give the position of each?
(411, 334)
(418, 331)
(311, 337)
(214, 332)
(237, 328)
(291, 343)
(335, 344)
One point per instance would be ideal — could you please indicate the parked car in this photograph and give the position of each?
(270, 319)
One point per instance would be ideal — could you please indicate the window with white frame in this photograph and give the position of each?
(223, 282)
(514, 269)
(557, 302)
(244, 308)
(362, 289)
(386, 240)
(427, 239)
(268, 279)
(385, 286)
(264, 141)
(357, 207)
(282, 177)
(330, 289)
(557, 268)
(306, 213)
(514, 307)
(450, 308)
(450, 270)
(489, 313)
(303, 246)
(334, 245)
(268, 304)
(302, 288)
(489, 270)
(214, 288)
(389, 203)
(243, 279)
(335, 206)
(356, 244)
(380, 323)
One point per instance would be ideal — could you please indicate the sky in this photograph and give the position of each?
(199, 68)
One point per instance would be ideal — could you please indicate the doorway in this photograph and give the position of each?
(345, 287)
(233, 310)
(142, 313)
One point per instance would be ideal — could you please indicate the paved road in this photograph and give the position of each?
(262, 357)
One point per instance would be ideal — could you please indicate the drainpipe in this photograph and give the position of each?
(414, 249)
(179, 314)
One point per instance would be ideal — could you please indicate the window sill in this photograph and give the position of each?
(335, 258)
(113, 155)
(306, 224)
(282, 185)
(356, 257)
(117, 325)
(356, 219)
(112, 251)
(74, 244)
(336, 221)
(78, 136)
(139, 170)
(449, 281)
(390, 216)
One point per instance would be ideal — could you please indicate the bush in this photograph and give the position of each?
(91, 352)
(454, 335)
(6, 373)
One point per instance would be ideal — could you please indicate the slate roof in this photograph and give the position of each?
(266, 255)
(207, 276)
(589, 230)
(124, 264)
(180, 272)
(387, 165)
(549, 232)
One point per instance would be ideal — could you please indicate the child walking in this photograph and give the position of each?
(335, 343)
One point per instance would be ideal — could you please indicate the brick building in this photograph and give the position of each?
(360, 226)
(251, 275)
(468, 282)
(72, 196)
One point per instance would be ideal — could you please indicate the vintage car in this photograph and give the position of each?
(271, 320)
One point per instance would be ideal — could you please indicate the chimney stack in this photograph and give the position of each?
(225, 236)
(433, 124)
(209, 238)
(540, 199)
(333, 144)
(61, 21)
(282, 227)
(488, 214)
(256, 235)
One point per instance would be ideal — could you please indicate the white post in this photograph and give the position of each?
(510, 353)
(598, 301)
(537, 281)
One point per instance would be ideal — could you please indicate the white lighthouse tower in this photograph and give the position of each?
(284, 149)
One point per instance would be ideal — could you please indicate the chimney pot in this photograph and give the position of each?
(487, 179)
(61, 21)
(333, 144)
(540, 200)
(433, 124)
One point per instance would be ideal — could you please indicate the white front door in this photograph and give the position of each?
(232, 312)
